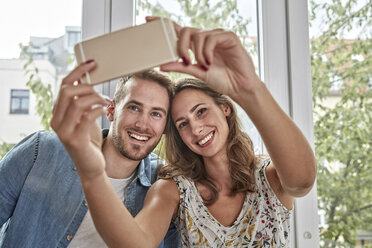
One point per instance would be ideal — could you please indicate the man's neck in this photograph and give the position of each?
(117, 166)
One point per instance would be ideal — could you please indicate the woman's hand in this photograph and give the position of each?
(74, 121)
(224, 64)
(221, 60)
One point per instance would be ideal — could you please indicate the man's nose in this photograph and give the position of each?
(142, 121)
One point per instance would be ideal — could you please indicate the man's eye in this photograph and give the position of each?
(156, 114)
(133, 107)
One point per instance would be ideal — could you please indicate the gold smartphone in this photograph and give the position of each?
(128, 50)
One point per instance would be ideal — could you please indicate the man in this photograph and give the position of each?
(41, 199)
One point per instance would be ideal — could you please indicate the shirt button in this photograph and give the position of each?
(85, 203)
(69, 237)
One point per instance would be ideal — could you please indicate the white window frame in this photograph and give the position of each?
(284, 66)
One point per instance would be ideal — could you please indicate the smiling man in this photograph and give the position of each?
(41, 199)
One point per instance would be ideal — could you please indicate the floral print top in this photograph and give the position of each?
(262, 222)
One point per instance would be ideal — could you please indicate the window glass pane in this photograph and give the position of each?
(341, 46)
(25, 105)
(20, 93)
(19, 101)
(238, 16)
(42, 28)
(16, 104)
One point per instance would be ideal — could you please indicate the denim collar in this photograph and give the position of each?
(144, 169)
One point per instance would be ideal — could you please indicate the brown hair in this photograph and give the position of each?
(182, 161)
(150, 75)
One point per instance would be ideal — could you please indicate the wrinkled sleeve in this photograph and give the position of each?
(14, 169)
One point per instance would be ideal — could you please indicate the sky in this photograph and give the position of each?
(20, 19)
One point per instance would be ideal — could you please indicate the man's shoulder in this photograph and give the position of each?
(148, 168)
(154, 156)
(37, 139)
(48, 139)
(155, 160)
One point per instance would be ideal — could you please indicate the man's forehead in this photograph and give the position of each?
(133, 83)
(146, 91)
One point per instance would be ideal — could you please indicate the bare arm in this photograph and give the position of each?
(116, 225)
(224, 64)
(289, 150)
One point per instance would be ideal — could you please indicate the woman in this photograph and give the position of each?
(215, 188)
(224, 200)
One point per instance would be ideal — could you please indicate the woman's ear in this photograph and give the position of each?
(226, 109)
(111, 111)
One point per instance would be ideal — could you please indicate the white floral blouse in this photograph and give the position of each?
(262, 222)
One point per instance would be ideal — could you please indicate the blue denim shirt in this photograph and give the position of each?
(41, 198)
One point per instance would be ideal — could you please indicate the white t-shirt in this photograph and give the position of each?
(86, 235)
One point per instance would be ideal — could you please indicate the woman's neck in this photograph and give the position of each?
(218, 170)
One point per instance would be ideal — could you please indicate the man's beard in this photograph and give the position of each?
(124, 148)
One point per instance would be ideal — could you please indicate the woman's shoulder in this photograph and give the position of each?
(263, 160)
(164, 184)
(183, 181)
(268, 182)
(165, 188)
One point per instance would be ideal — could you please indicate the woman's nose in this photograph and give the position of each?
(196, 127)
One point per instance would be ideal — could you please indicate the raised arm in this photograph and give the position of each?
(74, 121)
(224, 64)
(116, 225)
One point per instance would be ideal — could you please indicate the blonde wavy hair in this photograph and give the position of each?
(182, 161)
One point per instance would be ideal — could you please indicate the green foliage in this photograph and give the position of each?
(4, 148)
(43, 92)
(343, 132)
(159, 149)
(206, 14)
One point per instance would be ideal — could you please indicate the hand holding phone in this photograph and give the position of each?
(128, 50)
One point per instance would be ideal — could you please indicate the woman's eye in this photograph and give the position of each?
(181, 125)
(201, 111)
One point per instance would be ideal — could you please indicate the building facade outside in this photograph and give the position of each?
(54, 58)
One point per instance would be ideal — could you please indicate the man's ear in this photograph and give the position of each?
(111, 111)
(226, 109)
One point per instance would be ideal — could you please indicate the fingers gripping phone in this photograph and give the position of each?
(128, 50)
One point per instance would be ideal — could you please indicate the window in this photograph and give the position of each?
(19, 101)
(73, 38)
(284, 65)
(341, 78)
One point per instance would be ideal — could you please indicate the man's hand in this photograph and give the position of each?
(74, 121)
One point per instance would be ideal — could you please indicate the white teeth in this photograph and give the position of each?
(206, 139)
(143, 138)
